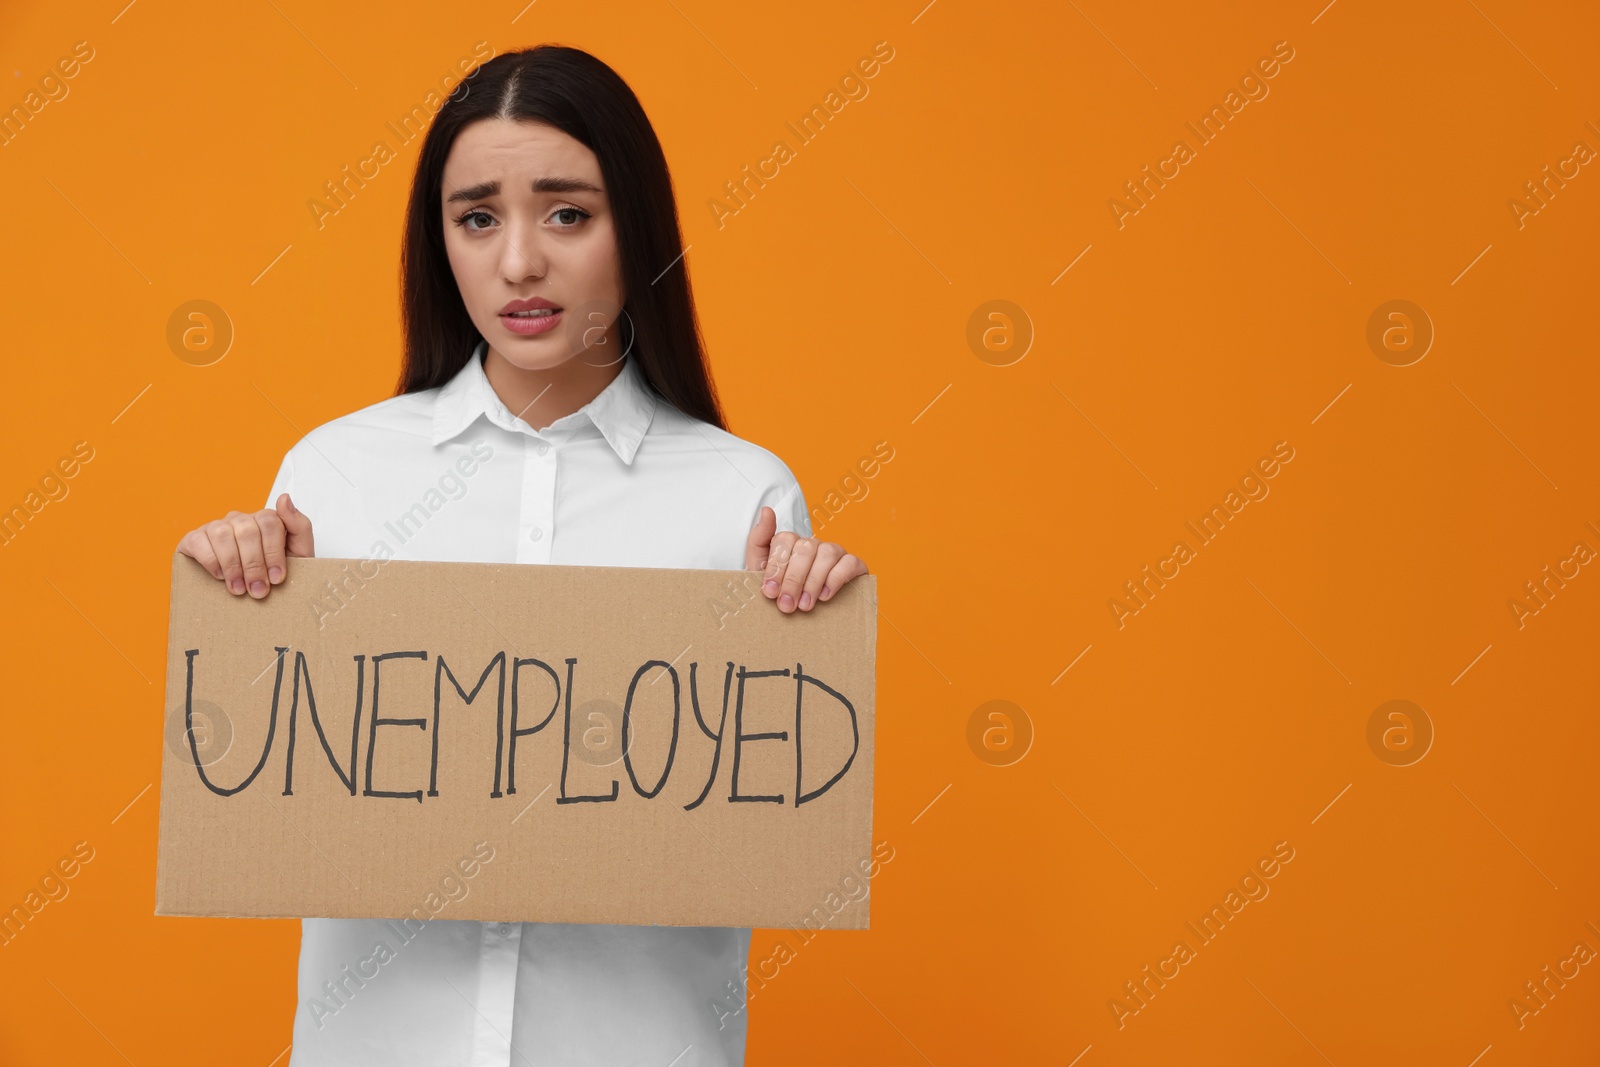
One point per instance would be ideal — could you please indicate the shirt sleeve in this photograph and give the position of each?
(788, 502)
(284, 482)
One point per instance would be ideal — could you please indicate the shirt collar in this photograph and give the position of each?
(621, 412)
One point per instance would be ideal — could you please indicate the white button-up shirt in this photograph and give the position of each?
(451, 474)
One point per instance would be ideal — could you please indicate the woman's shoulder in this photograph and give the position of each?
(675, 430)
(381, 437)
(747, 475)
(387, 421)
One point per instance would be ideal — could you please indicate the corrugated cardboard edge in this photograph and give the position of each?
(870, 607)
(162, 854)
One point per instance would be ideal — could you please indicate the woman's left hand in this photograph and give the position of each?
(800, 571)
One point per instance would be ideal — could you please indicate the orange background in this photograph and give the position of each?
(1229, 314)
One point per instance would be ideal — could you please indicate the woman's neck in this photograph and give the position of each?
(540, 397)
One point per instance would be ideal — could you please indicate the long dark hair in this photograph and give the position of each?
(578, 94)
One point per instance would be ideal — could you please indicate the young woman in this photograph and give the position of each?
(554, 407)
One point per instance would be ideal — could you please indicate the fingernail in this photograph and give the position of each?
(275, 573)
(805, 600)
(826, 592)
(786, 602)
(258, 588)
(771, 587)
(237, 585)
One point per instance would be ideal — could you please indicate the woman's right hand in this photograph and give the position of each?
(250, 551)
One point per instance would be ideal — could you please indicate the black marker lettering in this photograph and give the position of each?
(375, 722)
(511, 761)
(716, 755)
(800, 680)
(566, 751)
(300, 669)
(734, 796)
(440, 669)
(188, 723)
(627, 709)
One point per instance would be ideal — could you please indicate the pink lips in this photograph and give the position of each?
(528, 325)
(536, 324)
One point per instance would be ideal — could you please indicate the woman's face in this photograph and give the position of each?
(527, 217)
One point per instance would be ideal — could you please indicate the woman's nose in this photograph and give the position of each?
(522, 257)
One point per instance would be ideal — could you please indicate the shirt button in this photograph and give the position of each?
(503, 929)
(535, 534)
(543, 448)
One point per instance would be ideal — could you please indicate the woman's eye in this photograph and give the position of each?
(567, 218)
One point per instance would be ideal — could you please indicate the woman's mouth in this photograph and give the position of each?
(539, 320)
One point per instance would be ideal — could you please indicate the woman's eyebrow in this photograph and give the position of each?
(487, 189)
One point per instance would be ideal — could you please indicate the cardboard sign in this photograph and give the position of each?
(522, 742)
